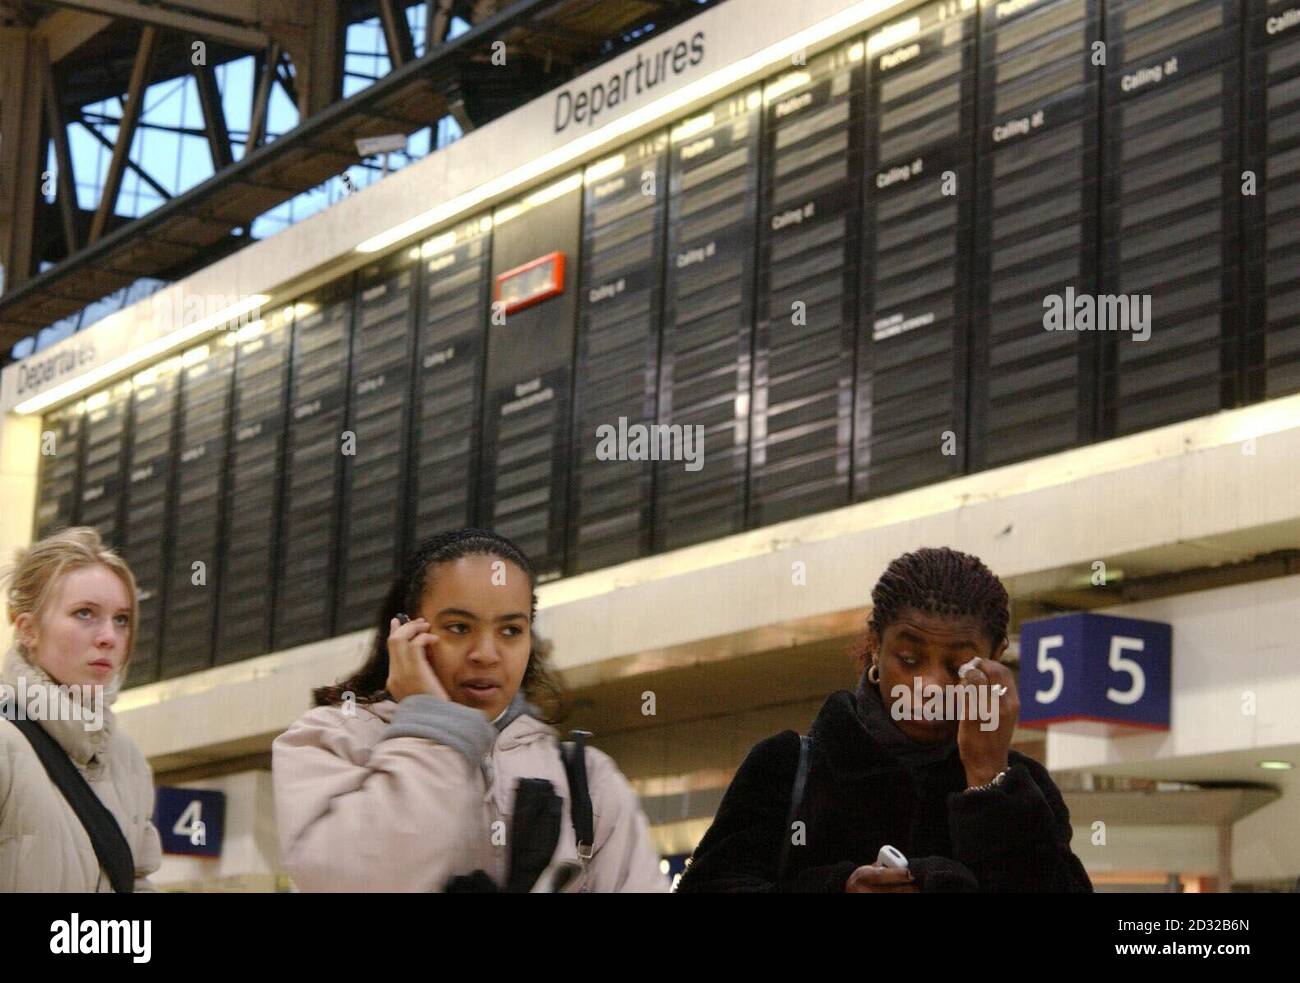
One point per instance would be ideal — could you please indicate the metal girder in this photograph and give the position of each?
(218, 30)
(397, 34)
(126, 130)
(21, 152)
(262, 99)
(67, 30)
(437, 22)
(214, 116)
(67, 185)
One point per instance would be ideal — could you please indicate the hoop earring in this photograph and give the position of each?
(873, 674)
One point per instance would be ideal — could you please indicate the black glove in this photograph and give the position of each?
(940, 875)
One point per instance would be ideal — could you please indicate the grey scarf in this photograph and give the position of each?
(517, 708)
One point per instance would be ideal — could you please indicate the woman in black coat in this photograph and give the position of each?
(969, 813)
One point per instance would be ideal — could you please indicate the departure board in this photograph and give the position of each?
(523, 422)
(916, 258)
(1273, 212)
(147, 525)
(1036, 236)
(1172, 210)
(705, 370)
(619, 308)
(60, 470)
(189, 627)
(806, 318)
(103, 478)
(305, 586)
(374, 496)
(252, 497)
(455, 282)
(527, 422)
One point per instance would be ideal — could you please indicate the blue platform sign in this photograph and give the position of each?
(1095, 668)
(190, 821)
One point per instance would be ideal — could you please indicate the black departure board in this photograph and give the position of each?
(1272, 216)
(1036, 229)
(189, 627)
(374, 496)
(521, 439)
(103, 478)
(617, 378)
(916, 257)
(1172, 210)
(705, 369)
(313, 463)
(252, 496)
(455, 284)
(806, 307)
(147, 527)
(528, 373)
(60, 470)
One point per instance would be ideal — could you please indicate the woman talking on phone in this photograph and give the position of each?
(879, 799)
(427, 770)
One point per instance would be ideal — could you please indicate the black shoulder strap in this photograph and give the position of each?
(796, 797)
(574, 756)
(111, 848)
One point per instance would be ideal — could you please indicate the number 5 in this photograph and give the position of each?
(1047, 664)
(1118, 645)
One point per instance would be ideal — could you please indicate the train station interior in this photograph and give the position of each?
(290, 286)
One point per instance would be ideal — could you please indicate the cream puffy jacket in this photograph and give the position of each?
(43, 846)
(383, 797)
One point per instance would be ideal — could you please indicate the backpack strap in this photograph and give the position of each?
(796, 797)
(574, 755)
(111, 848)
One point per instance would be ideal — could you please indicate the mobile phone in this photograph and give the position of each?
(891, 857)
(402, 618)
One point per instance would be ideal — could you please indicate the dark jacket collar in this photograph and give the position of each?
(855, 733)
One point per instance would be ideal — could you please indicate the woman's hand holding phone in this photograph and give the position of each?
(410, 670)
(878, 879)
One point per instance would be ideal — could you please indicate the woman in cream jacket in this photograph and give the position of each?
(403, 777)
(73, 607)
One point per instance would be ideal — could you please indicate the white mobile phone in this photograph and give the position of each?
(890, 857)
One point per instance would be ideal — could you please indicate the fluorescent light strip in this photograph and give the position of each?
(592, 142)
(786, 83)
(604, 168)
(151, 350)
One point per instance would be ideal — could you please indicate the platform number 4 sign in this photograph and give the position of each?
(190, 821)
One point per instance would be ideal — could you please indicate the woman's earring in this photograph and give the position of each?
(873, 674)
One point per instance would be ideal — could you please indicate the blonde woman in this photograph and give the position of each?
(76, 795)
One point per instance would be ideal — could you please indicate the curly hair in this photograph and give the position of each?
(369, 683)
(941, 581)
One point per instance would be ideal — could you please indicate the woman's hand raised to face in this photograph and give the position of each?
(409, 668)
(876, 879)
(984, 752)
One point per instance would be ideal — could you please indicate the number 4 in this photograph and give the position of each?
(190, 824)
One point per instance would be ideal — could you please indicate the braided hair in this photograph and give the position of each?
(368, 684)
(941, 581)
